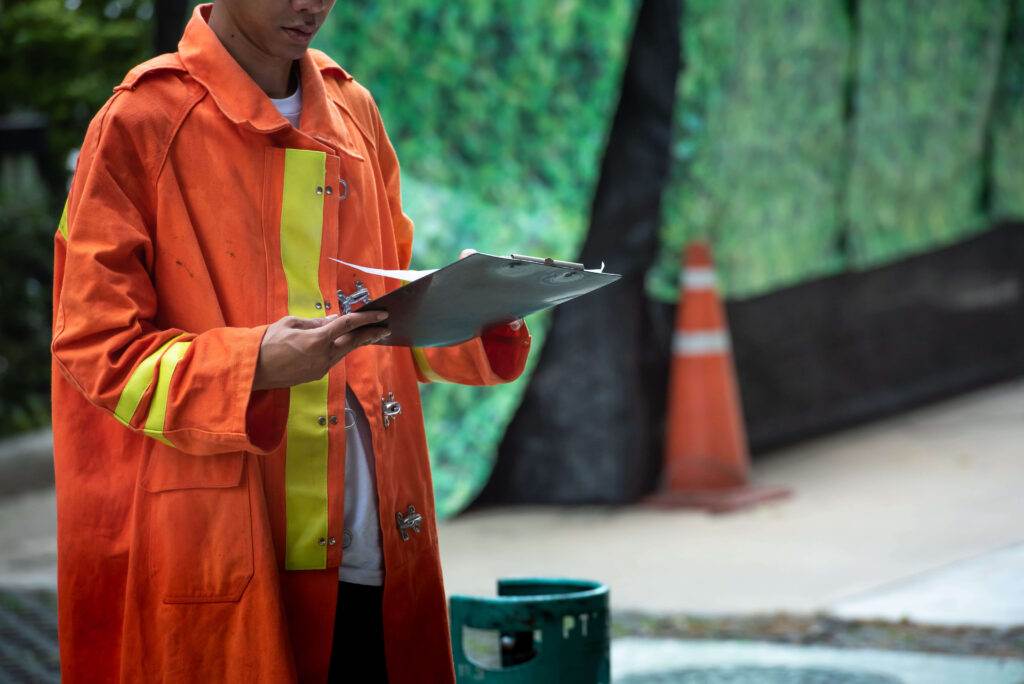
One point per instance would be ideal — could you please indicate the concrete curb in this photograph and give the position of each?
(26, 462)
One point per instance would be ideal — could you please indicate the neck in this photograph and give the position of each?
(272, 74)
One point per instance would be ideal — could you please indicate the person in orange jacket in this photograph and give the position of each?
(228, 445)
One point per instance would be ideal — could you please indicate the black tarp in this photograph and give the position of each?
(842, 350)
(812, 358)
(590, 417)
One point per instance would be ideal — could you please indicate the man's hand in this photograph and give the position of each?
(297, 350)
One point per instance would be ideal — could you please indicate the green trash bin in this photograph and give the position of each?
(536, 631)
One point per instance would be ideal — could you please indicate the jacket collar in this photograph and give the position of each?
(245, 103)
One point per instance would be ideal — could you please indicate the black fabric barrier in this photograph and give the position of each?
(842, 350)
(590, 418)
(811, 359)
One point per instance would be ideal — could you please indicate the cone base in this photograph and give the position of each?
(718, 500)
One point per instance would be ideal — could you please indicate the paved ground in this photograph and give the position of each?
(28, 540)
(918, 517)
(879, 520)
(662, 661)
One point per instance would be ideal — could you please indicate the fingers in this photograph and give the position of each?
(320, 322)
(296, 323)
(349, 322)
(358, 338)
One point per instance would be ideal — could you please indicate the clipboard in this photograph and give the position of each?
(456, 303)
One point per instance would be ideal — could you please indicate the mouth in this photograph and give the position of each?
(299, 34)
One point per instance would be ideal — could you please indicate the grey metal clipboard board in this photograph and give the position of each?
(457, 302)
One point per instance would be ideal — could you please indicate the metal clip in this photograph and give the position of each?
(410, 521)
(360, 296)
(545, 261)
(390, 408)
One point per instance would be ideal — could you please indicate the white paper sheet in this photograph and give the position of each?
(406, 275)
(411, 275)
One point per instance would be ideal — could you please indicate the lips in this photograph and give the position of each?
(302, 34)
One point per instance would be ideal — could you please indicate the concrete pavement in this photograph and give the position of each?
(917, 516)
(882, 504)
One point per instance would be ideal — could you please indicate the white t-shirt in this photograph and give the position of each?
(362, 561)
(291, 106)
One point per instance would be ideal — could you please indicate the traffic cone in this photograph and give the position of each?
(707, 463)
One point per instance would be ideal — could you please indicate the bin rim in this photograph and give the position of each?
(595, 590)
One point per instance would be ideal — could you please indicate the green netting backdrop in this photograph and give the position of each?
(925, 77)
(498, 112)
(811, 139)
(1008, 124)
(758, 152)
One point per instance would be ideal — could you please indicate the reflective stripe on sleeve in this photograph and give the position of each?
(140, 380)
(62, 226)
(157, 416)
(423, 365)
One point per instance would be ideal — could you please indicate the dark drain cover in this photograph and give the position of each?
(28, 636)
(760, 675)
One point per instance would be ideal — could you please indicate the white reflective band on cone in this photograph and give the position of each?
(700, 343)
(702, 278)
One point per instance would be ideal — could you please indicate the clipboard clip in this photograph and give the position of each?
(545, 261)
(360, 296)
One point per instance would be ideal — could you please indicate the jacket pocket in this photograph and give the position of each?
(199, 525)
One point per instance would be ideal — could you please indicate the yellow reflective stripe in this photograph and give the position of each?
(306, 453)
(154, 426)
(423, 364)
(140, 380)
(302, 215)
(63, 225)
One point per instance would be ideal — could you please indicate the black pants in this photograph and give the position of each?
(357, 654)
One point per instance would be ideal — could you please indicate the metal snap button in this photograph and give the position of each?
(410, 521)
(327, 305)
(331, 541)
(360, 296)
(389, 408)
(319, 190)
(321, 420)
(328, 190)
(334, 420)
(321, 541)
(318, 306)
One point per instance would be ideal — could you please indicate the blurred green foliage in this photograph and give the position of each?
(810, 137)
(758, 153)
(63, 58)
(926, 77)
(499, 113)
(813, 137)
(1008, 124)
(60, 58)
(26, 239)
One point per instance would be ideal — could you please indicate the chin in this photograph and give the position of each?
(292, 52)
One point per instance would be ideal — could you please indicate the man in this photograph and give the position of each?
(209, 474)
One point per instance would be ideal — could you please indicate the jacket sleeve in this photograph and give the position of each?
(190, 390)
(499, 354)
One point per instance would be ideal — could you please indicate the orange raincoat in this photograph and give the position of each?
(199, 521)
